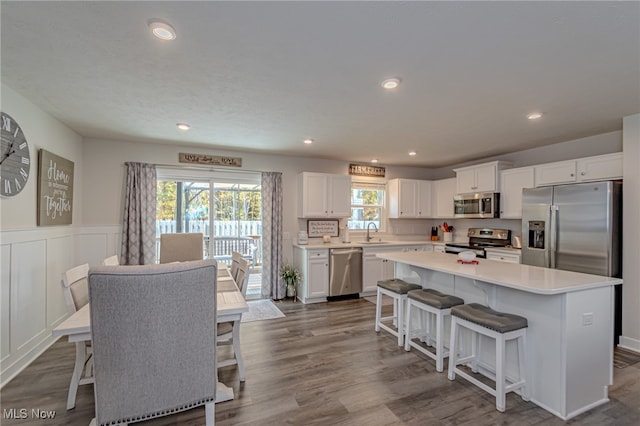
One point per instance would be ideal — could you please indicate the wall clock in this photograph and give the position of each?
(15, 162)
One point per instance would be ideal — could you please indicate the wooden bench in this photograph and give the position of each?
(224, 246)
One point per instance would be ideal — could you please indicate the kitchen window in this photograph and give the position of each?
(367, 204)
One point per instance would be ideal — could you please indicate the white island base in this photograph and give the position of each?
(570, 316)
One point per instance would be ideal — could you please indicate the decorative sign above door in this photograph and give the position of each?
(210, 160)
(55, 189)
(366, 170)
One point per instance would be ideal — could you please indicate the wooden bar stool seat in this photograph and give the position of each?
(434, 304)
(500, 326)
(397, 289)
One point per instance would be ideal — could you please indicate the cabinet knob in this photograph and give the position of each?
(571, 175)
(582, 173)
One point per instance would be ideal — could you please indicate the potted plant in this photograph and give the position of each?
(291, 276)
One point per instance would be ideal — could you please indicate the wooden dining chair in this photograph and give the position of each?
(236, 257)
(76, 294)
(111, 260)
(229, 332)
(153, 340)
(181, 247)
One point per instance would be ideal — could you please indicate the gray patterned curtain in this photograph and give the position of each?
(139, 227)
(272, 285)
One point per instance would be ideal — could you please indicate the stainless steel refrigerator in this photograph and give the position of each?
(577, 228)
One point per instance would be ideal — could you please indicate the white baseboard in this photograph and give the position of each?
(10, 372)
(629, 343)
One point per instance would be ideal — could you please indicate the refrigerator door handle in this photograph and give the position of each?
(553, 237)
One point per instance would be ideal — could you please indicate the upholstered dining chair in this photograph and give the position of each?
(76, 294)
(228, 332)
(153, 340)
(111, 260)
(181, 247)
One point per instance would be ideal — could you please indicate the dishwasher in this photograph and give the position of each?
(345, 271)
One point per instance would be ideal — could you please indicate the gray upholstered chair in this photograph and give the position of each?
(76, 294)
(181, 247)
(154, 340)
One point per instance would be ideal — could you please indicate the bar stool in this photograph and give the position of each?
(434, 304)
(500, 326)
(397, 289)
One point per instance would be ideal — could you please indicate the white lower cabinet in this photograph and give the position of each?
(314, 265)
(503, 257)
(375, 269)
(438, 248)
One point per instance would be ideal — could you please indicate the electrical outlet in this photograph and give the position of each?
(587, 318)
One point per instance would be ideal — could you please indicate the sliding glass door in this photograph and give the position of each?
(225, 209)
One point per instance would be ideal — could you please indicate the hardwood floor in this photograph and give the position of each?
(322, 364)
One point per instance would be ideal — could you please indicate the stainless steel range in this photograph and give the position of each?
(479, 238)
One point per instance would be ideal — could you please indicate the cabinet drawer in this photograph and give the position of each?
(503, 257)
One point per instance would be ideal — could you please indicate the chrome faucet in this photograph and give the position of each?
(369, 237)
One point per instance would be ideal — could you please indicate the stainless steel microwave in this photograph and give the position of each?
(486, 205)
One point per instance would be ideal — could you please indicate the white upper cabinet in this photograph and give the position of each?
(324, 195)
(512, 181)
(479, 178)
(409, 198)
(442, 193)
(600, 167)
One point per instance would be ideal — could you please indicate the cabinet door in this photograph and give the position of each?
(339, 196)
(553, 173)
(486, 178)
(466, 181)
(512, 182)
(423, 196)
(500, 257)
(601, 167)
(372, 272)
(407, 202)
(318, 274)
(443, 192)
(438, 248)
(313, 193)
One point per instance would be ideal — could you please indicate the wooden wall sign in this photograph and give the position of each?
(319, 228)
(366, 170)
(210, 160)
(55, 189)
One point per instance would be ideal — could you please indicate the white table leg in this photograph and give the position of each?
(236, 349)
(77, 374)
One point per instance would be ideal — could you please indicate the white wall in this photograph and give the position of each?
(631, 239)
(33, 258)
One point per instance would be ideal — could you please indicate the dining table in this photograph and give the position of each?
(230, 307)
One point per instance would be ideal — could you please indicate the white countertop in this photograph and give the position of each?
(532, 279)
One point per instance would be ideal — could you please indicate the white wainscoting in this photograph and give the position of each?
(31, 300)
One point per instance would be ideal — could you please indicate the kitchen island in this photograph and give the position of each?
(570, 316)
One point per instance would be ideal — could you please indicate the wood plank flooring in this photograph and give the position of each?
(322, 364)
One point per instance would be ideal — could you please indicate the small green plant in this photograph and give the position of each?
(290, 274)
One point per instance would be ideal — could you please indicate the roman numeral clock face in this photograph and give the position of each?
(15, 161)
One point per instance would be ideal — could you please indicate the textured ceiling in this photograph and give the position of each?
(262, 76)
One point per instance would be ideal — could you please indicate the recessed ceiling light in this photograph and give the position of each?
(375, 160)
(183, 126)
(161, 29)
(391, 83)
(534, 115)
(412, 153)
(308, 141)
